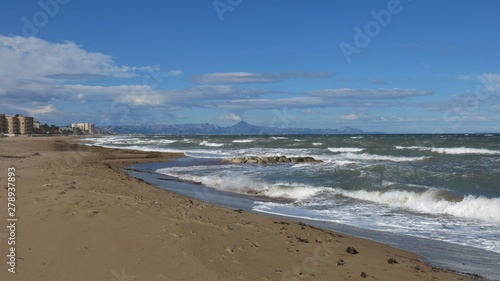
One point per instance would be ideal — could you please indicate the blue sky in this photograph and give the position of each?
(393, 66)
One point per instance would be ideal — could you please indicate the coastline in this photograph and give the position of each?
(82, 218)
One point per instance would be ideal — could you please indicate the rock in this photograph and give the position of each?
(271, 160)
(251, 160)
(364, 275)
(340, 262)
(391, 261)
(351, 250)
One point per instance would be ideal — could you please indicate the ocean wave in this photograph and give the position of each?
(317, 143)
(279, 138)
(246, 185)
(244, 141)
(451, 150)
(345, 149)
(269, 152)
(130, 140)
(211, 144)
(432, 202)
(373, 157)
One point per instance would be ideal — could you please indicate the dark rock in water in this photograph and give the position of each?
(351, 250)
(271, 160)
(391, 261)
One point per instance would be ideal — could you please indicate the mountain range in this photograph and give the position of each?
(240, 128)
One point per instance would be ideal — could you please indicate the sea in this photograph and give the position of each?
(443, 189)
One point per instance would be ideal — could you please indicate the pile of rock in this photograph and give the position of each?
(271, 160)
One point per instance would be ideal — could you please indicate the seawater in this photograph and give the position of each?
(440, 187)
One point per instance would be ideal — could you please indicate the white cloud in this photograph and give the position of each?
(351, 117)
(233, 78)
(369, 93)
(495, 108)
(263, 103)
(201, 96)
(489, 77)
(251, 78)
(359, 98)
(230, 117)
(33, 69)
(174, 72)
(40, 110)
(33, 57)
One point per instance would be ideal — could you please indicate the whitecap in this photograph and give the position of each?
(431, 202)
(452, 150)
(244, 141)
(345, 149)
(211, 144)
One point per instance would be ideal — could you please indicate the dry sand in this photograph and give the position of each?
(81, 218)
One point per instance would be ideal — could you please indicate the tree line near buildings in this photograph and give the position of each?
(47, 129)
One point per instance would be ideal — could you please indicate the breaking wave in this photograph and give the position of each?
(432, 202)
(211, 144)
(452, 150)
(246, 185)
(372, 157)
(244, 141)
(345, 149)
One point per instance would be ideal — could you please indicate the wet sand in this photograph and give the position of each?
(80, 217)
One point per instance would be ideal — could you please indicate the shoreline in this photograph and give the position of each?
(472, 262)
(82, 218)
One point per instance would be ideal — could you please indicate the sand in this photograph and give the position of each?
(80, 217)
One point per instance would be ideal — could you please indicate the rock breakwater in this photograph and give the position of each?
(271, 160)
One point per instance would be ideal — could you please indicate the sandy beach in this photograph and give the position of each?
(80, 217)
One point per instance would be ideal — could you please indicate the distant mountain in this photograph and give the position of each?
(240, 128)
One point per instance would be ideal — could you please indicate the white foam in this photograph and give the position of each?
(135, 140)
(317, 143)
(430, 202)
(163, 141)
(245, 184)
(211, 144)
(244, 141)
(452, 150)
(345, 149)
(372, 157)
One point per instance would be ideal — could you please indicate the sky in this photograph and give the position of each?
(382, 65)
